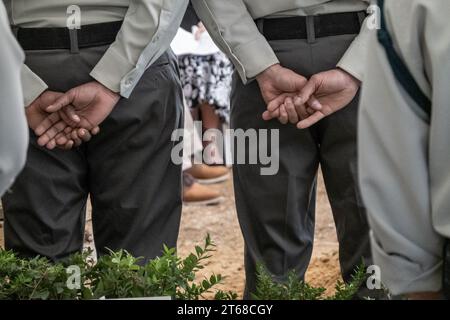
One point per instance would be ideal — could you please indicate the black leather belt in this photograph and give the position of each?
(62, 38)
(301, 27)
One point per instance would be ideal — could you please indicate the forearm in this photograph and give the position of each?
(146, 33)
(13, 137)
(395, 182)
(354, 59)
(234, 31)
(32, 85)
(13, 127)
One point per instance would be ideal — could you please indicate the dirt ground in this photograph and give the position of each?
(221, 223)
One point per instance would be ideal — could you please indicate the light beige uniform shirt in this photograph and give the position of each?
(13, 126)
(404, 159)
(149, 27)
(231, 24)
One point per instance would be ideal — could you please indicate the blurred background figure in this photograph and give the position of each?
(205, 74)
(13, 127)
(195, 193)
(404, 143)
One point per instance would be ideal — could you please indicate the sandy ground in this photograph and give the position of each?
(221, 223)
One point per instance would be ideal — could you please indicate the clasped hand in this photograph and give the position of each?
(291, 98)
(68, 119)
(65, 120)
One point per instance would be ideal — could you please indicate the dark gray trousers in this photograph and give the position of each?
(126, 170)
(276, 213)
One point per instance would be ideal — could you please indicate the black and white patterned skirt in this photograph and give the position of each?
(207, 79)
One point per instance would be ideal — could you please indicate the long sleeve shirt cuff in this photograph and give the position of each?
(254, 57)
(403, 276)
(354, 60)
(32, 85)
(111, 69)
(352, 63)
(146, 33)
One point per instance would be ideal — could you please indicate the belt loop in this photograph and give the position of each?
(310, 29)
(73, 34)
(260, 25)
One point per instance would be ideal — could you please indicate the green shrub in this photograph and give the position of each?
(32, 279)
(120, 275)
(296, 289)
(117, 275)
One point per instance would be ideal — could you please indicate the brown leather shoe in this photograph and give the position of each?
(200, 195)
(205, 174)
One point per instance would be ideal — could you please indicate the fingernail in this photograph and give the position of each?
(316, 105)
(76, 118)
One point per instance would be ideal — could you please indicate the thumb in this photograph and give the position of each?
(298, 83)
(307, 91)
(63, 101)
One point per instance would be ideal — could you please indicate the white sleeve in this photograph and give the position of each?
(13, 127)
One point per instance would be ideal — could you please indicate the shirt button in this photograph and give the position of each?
(129, 83)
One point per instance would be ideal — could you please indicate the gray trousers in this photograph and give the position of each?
(126, 170)
(276, 213)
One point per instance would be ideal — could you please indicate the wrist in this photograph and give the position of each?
(29, 102)
(108, 91)
(350, 76)
(269, 73)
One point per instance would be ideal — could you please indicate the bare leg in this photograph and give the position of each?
(214, 144)
(209, 117)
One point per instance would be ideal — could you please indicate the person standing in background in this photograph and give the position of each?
(13, 126)
(404, 144)
(281, 44)
(195, 193)
(205, 74)
(114, 70)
